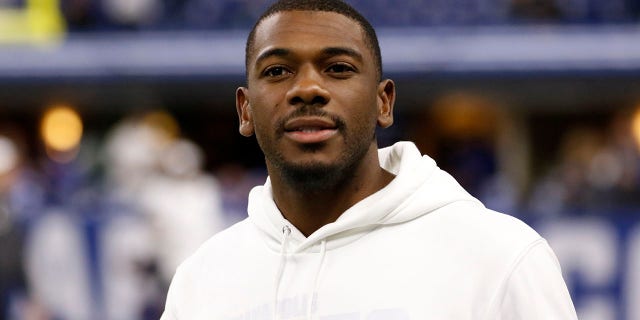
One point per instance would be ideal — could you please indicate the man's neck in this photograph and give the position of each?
(309, 211)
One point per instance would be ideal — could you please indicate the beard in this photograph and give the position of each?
(315, 176)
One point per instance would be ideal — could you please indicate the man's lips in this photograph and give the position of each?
(310, 129)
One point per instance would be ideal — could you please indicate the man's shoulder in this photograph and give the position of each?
(467, 233)
(472, 223)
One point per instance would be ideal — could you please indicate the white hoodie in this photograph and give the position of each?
(420, 248)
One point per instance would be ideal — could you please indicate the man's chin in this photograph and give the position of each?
(313, 176)
(306, 170)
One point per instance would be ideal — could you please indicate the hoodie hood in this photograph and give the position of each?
(402, 200)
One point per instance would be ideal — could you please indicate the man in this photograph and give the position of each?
(340, 229)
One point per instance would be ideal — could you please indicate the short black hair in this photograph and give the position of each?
(337, 6)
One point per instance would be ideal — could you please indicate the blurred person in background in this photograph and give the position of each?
(57, 265)
(342, 229)
(21, 199)
(183, 205)
(12, 279)
(59, 260)
(167, 206)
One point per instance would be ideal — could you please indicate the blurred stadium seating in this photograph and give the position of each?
(534, 105)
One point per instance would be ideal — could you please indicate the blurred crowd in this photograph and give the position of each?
(537, 167)
(95, 229)
(106, 15)
(597, 170)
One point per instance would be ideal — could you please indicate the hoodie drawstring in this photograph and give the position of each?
(286, 231)
(312, 298)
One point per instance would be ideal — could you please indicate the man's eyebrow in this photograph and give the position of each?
(328, 52)
(340, 51)
(275, 52)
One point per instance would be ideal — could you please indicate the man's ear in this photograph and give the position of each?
(386, 100)
(244, 112)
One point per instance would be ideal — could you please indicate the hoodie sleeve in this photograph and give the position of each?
(534, 289)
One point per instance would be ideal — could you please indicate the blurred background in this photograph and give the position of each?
(119, 151)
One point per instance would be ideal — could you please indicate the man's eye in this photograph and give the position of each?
(275, 71)
(340, 68)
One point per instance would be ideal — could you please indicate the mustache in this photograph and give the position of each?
(310, 111)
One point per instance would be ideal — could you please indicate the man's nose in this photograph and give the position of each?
(308, 88)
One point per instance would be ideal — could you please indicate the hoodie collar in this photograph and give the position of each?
(403, 199)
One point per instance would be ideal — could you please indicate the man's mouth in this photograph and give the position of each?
(310, 129)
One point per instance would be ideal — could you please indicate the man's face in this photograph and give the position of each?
(313, 97)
